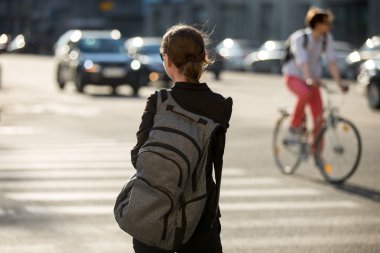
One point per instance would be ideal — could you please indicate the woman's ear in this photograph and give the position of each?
(169, 61)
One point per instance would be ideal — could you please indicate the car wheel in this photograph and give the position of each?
(60, 79)
(275, 68)
(373, 94)
(114, 90)
(79, 84)
(135, 89)
(217, 75)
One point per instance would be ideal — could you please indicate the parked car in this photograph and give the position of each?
(147, 51)
(95, 57)
(234, 51)
(342, 49)
(368, 50)
(369, 76)
(4, 41)
(267, 58)
(217, 65)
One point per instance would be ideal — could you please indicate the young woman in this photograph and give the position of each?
(185, 57)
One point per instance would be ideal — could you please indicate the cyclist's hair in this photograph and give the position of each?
(317, 15)
(185, 46)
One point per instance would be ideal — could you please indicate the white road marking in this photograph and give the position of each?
(65, 165)
(275, 222)
(107, 172)
(244, 206)
(116, 183)
(107, 209)
(314, 240)
(71, 210)
(28, 248)
(111, 195)
(104, 173)
(270, 192)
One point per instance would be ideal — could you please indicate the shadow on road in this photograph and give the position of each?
(347, 187)
(359, 191)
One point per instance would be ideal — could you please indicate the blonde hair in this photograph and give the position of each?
(317, 15)
(185, 46)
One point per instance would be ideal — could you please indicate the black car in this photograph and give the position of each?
(267, 58)
(368, 50)
(98, 58)
(146, 50)
(369, 76)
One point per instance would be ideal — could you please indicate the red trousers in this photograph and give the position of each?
(306, 95)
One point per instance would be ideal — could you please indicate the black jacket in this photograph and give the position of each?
(200, 99)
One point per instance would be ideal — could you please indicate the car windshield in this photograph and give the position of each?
(149, 49)
(101, 45)
(371, 44)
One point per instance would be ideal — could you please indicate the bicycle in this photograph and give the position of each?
(336, 149)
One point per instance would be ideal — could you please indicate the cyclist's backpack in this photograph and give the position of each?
(288, 55)
(162, 203)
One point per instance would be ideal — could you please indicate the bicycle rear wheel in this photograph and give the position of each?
(338, 150)
(286, 155)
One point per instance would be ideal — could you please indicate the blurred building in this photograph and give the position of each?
(42, 22)
(260, 20)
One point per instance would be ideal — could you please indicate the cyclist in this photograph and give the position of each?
(302, 68)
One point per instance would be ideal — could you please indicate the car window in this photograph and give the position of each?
(371, 44)
(101, 45)
(149, 49)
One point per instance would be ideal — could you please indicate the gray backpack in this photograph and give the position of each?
(162, 203)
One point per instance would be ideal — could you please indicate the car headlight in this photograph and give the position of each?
(91, 67)
(353, 57)
(135, 65)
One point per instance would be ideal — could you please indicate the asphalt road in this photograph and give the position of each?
(64, 157)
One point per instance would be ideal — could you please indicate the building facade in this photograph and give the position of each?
(42, 22)
(260, 20)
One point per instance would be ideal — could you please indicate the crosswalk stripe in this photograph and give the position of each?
(70, 210)
(326, 221)
(302, 241)
(66, 157)
(125, 164)
(16, 154)
(84, 173)
(28, 248)
(275, 243)
(105, 173)
(110, 195)
(112, 183)
(270, 192)
(107, 209)
(244, 206)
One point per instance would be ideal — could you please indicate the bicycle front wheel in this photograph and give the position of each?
(286, 155)
(338, 150)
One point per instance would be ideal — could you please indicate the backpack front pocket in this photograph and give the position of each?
(147, 214)
(191, 214)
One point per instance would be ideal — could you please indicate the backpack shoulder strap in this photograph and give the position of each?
(305, 39)
(162, 96)
(324, 43)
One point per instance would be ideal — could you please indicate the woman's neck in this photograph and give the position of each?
(316, 34)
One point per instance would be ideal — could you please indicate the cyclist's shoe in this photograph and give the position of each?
(320, 163)
(293, 136)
